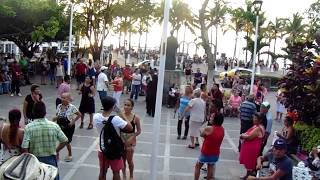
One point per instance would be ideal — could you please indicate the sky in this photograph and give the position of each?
(272, 8)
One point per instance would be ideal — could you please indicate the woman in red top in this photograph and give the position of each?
(210, 151)
(117, 88)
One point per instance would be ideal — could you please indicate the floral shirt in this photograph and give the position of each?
(69, 112)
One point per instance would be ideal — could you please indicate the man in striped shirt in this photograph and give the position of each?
(247, 110)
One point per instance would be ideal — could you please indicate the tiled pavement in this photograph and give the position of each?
(175, 160)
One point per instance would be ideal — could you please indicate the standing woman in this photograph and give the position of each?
(87, 100)
(129, 138)
(67, 115)
(59, 73)
(43, 68)
(183, 103)
(117, 88)
(91, 71)
(63, 88)
(251, 144)
(11, 136)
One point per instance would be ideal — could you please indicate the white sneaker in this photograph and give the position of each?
(68, 159)
(19, 94)
(12, 95)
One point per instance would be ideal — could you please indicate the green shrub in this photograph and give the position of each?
(308, 136)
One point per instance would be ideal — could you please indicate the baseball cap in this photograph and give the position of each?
(103, 68)
(280, 144)
(265, 105)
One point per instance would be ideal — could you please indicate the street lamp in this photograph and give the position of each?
(70, 38)
(257, 7)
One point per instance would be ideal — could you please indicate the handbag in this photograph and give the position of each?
(63, 122)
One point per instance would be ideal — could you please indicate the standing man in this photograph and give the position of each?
(136, 84)
(100, 119)
(127, 78)
(16, 75)
(29, 101)
(81, 71)
(247, 110)
(267, 122)
(24, 64)
(41, 137)
(102, 84)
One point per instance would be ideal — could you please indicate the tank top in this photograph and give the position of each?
(211, 144)
(6, 152)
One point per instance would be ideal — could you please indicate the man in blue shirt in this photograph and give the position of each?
(280, 165)
(247, 110)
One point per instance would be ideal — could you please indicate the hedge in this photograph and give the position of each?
(308, 136)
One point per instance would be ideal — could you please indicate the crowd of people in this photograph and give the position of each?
(200, 108)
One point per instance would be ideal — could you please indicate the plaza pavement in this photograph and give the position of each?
(175, 161)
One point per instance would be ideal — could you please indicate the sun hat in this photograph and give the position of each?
(27, 167)
(280, 144)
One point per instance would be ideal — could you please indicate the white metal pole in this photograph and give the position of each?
(70, 40)
(254, 55)
(156, 122)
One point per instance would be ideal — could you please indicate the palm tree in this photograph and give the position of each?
(217, 16)
(275, 31)
(295, 28)
(249, 18)
(145, 14)
(237, 23)
(180, 15)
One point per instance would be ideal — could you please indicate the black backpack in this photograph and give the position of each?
(111, 144)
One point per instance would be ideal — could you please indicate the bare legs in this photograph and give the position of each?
(90, 121)
(69, 149)
(210, 172)
(128, 158)
(192, 141)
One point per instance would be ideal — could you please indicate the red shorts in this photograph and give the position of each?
(116, 165)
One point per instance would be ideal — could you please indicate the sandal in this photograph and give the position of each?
(81, 125)
(90, 126)
(191, 147)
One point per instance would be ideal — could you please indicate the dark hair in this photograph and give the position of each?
(218, 119)
(66, 78)
(14, 119)
(34, 87)
(289, 120)
(108, 103)
(39, 110)
(259, 116)
(131, 101)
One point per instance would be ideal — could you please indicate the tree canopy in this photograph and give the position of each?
(28, 23)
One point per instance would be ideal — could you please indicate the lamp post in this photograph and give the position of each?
(257, 6)
(70, 38)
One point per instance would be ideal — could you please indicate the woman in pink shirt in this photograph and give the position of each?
(234, 103)
(63, 88)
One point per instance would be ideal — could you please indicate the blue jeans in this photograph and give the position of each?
(6, 87)
(51, 160)
(135, 91)
(102, 94)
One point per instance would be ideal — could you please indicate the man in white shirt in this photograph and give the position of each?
(108, 104)
(136, 84)
(197, 108)
(102, 84)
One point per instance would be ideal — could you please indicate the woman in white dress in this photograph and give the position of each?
(280, 105)
(11, 136)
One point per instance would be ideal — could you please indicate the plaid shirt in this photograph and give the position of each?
(41, 137)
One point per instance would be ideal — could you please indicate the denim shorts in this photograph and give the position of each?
(208, 159)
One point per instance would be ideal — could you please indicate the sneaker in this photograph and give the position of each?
(12, 95)
(19, 94)
(179, 137)
(68, 159)
(184, 137)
